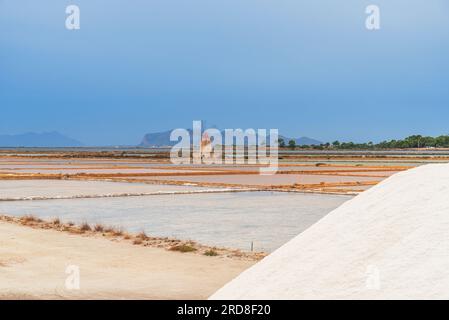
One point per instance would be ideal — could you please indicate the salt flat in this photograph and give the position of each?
(22, 189)
(234, 220)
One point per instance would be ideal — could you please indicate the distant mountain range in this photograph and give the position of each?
(162, 139)
(303, 141)
(157, 139)
(45, 139)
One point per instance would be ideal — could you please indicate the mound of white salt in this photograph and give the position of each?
(390, 242)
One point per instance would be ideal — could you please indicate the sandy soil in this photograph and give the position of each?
(33, 265)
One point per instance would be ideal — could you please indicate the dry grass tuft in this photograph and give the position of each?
(211, 253)
(142, 236)
(117, 232)
(183, 248)
(85, 227)
(137, 241)
(29, 218)
(76, 231)
(114, 231)
(99, 227)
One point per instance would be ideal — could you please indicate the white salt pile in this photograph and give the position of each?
(390, 242)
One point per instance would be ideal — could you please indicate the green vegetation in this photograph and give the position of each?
(411, 142)
(281, 143)
(292, 144)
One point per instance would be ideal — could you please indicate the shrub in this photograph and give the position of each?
(137, 241)
(183, 248)
(85, 227)
(142, 235)
(29, 218)
(98, 227)
(114, 231)
(211, 253)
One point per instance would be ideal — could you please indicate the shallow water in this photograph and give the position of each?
(21, 189)
(234, 220)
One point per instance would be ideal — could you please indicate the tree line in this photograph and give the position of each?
(411, 142)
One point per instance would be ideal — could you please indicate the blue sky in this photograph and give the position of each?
(307, 67)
